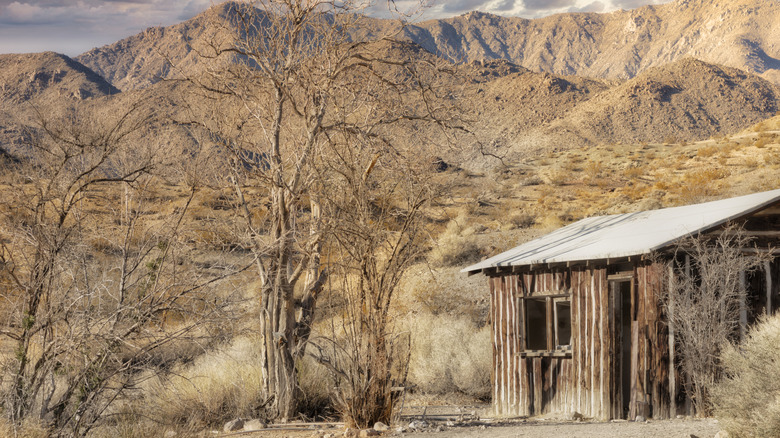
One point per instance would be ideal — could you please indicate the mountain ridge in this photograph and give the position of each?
(743, 34)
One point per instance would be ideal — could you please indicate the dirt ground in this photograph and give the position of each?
(471, 422)
(706, 428)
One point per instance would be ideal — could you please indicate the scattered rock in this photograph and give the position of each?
(350, 433)
(640, 419)
(233, 425)
(418, 424)
(254, 425)
(365, 433)
(381, 427)
(401, 429)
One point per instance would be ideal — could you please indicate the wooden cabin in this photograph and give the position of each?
(578, 325)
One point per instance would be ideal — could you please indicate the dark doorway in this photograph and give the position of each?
(621, 300)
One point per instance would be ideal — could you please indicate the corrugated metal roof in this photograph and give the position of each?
(629, 234)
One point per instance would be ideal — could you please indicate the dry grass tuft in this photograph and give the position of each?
(747, 401)
(449, 354)
(218, 386)
(28, 429)
(456, 245)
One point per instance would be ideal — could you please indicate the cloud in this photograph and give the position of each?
(538, 5)
(633, 4)
(596, 6)
(458, 6)
(505, 5)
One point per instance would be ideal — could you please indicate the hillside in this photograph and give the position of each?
(524, 113)
(48, 76)
(47, 81)
(744, 34)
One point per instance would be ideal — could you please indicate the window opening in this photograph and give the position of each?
(536, 324)
(562, 323)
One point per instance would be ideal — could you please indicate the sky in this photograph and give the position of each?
(75, 26)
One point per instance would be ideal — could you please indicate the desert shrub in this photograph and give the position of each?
(706, 151)
(559, 176)
(218, 386)
(449, 354)
(521, 220)
(747, 401)
(700, 184)
(634, 171)
(772, 158)
(751, 162)
(456, 245)
(593, 171)
(28, 429)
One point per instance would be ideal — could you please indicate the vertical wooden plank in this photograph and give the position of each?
(538, 385)
(596, 387)
(576, 344)
(495, 329)
(513, 339)
(634, 359)
(672, 372)
(583, 345)
(604, 345)
(592, 341)
(505, 344)
(571, 376)
(525, 400)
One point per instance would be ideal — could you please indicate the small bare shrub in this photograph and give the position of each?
(703, 307)
(747, 400)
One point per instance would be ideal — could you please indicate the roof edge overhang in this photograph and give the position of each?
(496, 269)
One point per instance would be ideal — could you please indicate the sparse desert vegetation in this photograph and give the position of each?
(287, 245)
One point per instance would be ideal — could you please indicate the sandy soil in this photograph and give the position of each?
(530, 428)
(706, 428)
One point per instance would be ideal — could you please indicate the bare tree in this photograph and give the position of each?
(291, 79)
(376, 202)
(704, 306)
(94, 284)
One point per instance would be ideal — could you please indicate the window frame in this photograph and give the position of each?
(552, 334)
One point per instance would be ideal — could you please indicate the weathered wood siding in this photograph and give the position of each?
(588, 381)
(650, 346)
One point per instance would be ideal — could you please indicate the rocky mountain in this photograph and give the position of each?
(530, 85)
(738, 33)
(744, 34)
(522, 111)
(48, 82)
(48, 76)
